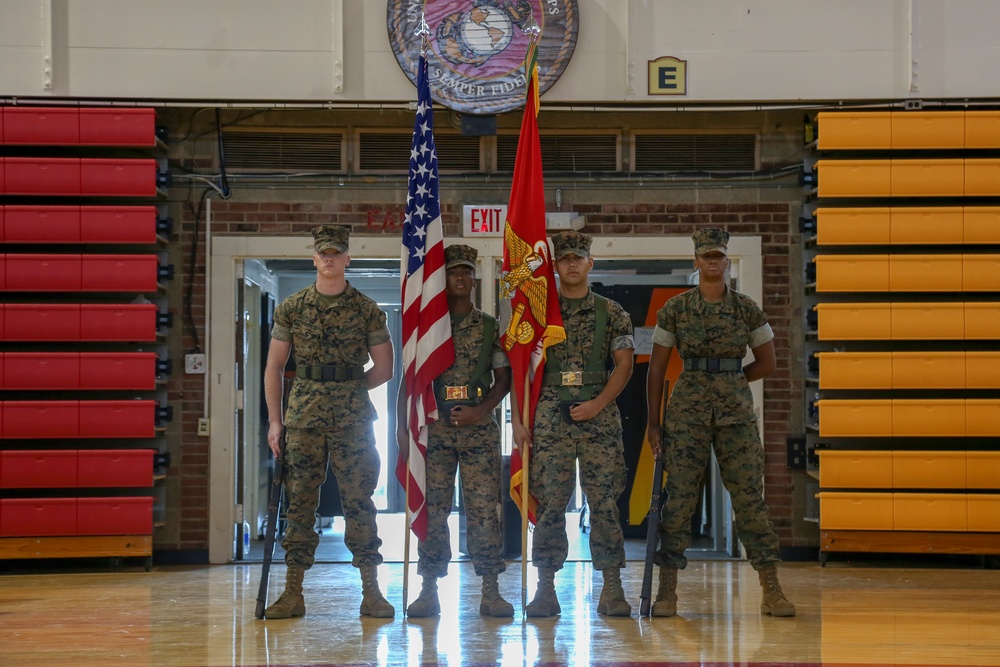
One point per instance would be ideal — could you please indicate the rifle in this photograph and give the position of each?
(653, 519)
(274, 499)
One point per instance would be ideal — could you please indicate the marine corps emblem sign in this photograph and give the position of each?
(476, 49)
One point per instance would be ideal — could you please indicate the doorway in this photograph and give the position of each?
(271, 281)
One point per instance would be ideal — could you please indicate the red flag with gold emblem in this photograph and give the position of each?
(527, 278)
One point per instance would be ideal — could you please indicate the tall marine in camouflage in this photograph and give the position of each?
(577, 420)
(711, 407)
(466, 438)
(332, 329)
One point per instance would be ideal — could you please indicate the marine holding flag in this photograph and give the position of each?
(465, 438)
(527, 297)
(565, 344)
(577, 421)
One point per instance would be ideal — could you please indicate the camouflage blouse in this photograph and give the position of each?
(580, 323)
(467, 335)
(328, 330)
(699, 328)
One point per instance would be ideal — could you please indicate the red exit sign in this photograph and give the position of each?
(484, 219)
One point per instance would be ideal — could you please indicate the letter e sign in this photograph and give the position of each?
(668, 76)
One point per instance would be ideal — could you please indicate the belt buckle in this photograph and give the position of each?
(456, 393)
(574, 379)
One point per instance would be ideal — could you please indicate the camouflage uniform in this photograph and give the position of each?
(713, 410)
(596, 442)
(477, 448)
(330, 421)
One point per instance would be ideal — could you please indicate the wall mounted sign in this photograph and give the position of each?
(668, 76)
(484, 220)
(476, 49)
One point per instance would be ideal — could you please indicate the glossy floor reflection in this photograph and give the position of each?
(203, 616)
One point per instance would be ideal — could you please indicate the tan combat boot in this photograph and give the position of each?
(545, 603)
(493, 603)
(372, 602)
(427, 604)
(613, 602)
(666, 593)
(773, 601)
(291, 603)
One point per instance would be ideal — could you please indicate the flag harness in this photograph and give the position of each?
(595, 374)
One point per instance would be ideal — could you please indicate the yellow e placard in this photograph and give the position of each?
(668, 76)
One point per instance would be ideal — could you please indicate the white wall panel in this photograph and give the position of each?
(21, 71)
(338, 51)
(251, 75)
(768, 49)
(960, 53)
(201, 25)
(600, 58)
(23, 48)
(371, 71)
(223, 49)
(21, 23)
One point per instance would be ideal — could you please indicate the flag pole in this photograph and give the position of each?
(525, 495)
(533, 31)
(422, 31)
(406, 531)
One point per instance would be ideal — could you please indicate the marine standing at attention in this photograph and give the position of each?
(333, 330)
(577, 420)
(465, 438)
(710, 408)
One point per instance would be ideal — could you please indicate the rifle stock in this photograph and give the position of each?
(274, 500)
(653, 516)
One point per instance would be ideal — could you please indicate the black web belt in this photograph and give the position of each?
(575, 379)
(713, 365)
(331, 373)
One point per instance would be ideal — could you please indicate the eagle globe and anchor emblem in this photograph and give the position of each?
(471, 37)
(524, 262)
(476, 49)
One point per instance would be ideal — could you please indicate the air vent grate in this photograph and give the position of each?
(390, 151)
(695, 152)
(270, 151)
(565, 152)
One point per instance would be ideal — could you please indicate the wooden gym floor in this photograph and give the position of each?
(850, 613)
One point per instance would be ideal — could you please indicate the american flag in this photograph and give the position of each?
(427, 346)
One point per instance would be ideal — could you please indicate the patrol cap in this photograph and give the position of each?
(459, 255)
(710, 239)
(571, 243)
(331, 237)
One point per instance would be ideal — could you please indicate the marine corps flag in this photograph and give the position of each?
(527, 279)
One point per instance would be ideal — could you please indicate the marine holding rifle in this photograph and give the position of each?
(333, 329)
(710, 408)
(466, 438)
